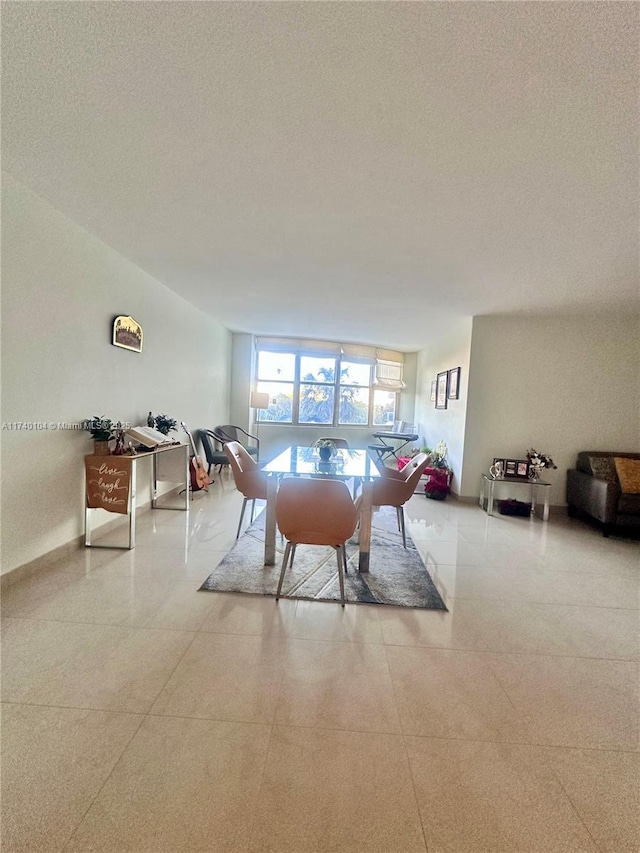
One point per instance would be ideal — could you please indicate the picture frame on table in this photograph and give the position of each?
(442, 385)
(454, 383)
(517, 469)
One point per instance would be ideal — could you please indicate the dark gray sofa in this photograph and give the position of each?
(598, 498)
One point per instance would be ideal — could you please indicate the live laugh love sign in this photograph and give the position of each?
(108, 482)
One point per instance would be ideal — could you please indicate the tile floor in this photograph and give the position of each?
(140, 715)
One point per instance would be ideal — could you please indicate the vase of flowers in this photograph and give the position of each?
(326, 448)
(537, 462)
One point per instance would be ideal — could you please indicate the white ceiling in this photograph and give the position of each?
(346, 170)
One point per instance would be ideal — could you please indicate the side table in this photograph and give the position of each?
(110, 484)
(487, 492)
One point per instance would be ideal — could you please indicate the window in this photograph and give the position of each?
(318, 389)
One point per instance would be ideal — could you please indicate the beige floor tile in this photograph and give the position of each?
(492, 798)
(172, 564)
(518, 627)
(338, 686)
(604, 788)
(599, 632)
(354, 623)
(543, 587)
(181, 786)
(234, 613)
(563, 659)
(458, 553)
(452, 694)
(23, 597)
(54, 762)
(137, 602)
(226, 677)
(330, 791)
(578, 702)
(87, 666)
(476, 625)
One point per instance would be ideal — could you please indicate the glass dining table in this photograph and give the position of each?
(353, 463)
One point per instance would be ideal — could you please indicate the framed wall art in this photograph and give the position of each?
(454, 383)
(127, 333)
(442, 385)
(433, 390)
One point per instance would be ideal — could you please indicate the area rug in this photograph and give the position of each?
(397, 576)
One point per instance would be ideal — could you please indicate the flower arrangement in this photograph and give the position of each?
(326, 448)
(438, 455)
(165, 424)
(439, 474)
(540, 460)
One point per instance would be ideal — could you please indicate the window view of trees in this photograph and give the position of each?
(323, 390)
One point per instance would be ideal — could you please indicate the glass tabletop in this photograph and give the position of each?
(355, 462)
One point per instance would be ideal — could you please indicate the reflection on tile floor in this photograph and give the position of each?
(142, 715)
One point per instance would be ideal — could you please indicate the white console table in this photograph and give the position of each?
(110, 484)
(488, 486)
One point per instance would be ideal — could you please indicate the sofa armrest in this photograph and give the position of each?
(597, 498)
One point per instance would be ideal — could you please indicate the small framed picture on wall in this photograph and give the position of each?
(433, 391)
(442, 381)
(454, 383)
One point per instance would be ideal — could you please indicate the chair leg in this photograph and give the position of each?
(253, 509)
(293, 554)
(340, 558)
(244, 504)
(400, 512)
(283, 569)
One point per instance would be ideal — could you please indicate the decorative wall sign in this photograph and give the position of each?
(433, 391)
(108, 482)
(127, 333)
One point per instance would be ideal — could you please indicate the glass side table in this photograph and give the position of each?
(488, 486)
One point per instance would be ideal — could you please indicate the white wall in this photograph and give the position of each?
(560, 385)
(61, 289)
(448, 348)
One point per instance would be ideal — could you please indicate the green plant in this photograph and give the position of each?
(165, 424)
(101, 428)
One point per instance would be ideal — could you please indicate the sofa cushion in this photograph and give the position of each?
(629, 505)
(604, 468)
(628, 474)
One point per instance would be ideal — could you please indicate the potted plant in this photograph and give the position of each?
(102, 430)
(165, 424)
(326, 448)
(438, 484)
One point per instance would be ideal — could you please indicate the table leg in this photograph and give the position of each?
(132, 510)
(270, 522)
(365, 526)
(490, 498)
(545, 511)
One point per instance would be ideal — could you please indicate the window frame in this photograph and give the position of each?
(298, 382)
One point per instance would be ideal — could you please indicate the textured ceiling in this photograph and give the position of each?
(354, 171)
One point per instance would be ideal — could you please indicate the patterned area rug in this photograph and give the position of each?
(397, 576)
